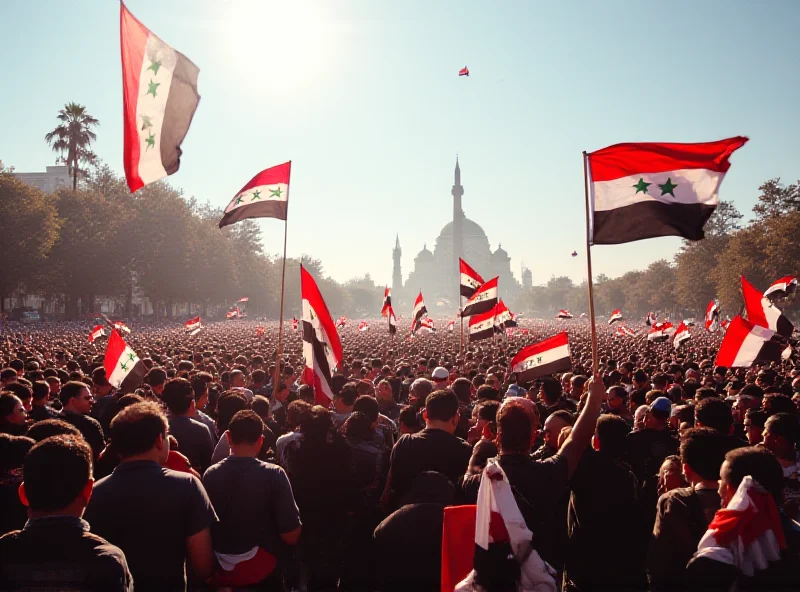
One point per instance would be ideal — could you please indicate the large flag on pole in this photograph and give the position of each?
(193, 326)
(392, 321)
(543, 358)
(781, 288)
(712, 317)
(470, 279)
(124, 369)
(481, 325)
(387, 301)
(419, 311)
(322, 348)
(645, 190)
(483, 300)
(746, 343)
(681, 334)
(264, 196)
(762, 312)
(159, 94)
(96, 333)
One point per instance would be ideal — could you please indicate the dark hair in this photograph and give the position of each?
(441, 405)
(487, 393)
(260, 405)
(12, 451)
(564, 416)
(760, 464)
(619, 391)
(52, 427)
(156, 377)
(638, 396)
(660, 379)
(368, 406)
(357, 427)
(487, 410)
(297, 412)
(99, 376)
(757, 417)
(408, 417)
(705, 392)
(41, 390)
(611, 431)
(714, 413)
(71, 390)
(8, 402)
(773, 404)
(753, 390)
(640, 375)
(20, 389)
(135, 429)
(245, 427)
(200, 384)
(462, 387)
(784, 425)
(704, 450)
(55, 471)
(228, 404)
(348, 394)
(7, 373)
(178, 395)
(514, 427)
(551, 388)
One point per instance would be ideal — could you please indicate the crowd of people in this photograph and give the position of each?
(661, 472)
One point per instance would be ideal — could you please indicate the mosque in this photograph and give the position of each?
(436, 272)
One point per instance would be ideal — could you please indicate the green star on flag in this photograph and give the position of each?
(275, 193)
(256, 195)
(154, 66)
(151, 88)
(146, 122)
(668, 187)
(151, 142)
(265, 196)
(239, 200)
(124, 365)
(641, 186)
(131, 357)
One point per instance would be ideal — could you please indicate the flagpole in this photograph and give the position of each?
(461, 316)
(595, 362)
(276, 377)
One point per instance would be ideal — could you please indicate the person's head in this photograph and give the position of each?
(775, 403)
(550, 390)
(756, 462)
(610, 435)
(305, 392)
(494, 380)
(156, 378)
(754, 420)
(57, 476)
(384, 393)
(554, 424)
(199, 384)
(7, 376)
(440, 378)
(781, 434)
(408, 420)
(41, 392)
(100, 385)
(658, 414)
(714, 413)
(237, 379)
(357, 427)
(52, 427)
(228, 404)
(140, 432)
(12, 411)
(246, 433)
(420, 389)
(76, 397)
(517, 426)
(178, 395)
(344, 400)
(462, 387)
(296, 413)
(22, 389)
(369, 407)
(669, 475)
(702, 453)
(640, 380)
(640, 418)
(12, 451)
(441, 411)
(740, 407)
(660, 382)
(576, 386)
(617, 398)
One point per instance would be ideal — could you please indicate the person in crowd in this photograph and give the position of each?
(12, 453)
(343, 403)
(553, 425)
(166, 523)
(618, 403)
(408, 421)
(781, 435)
(104, 397)
(156, 378)
(13, 417)
(51, 427)
(386, 401)
(238, 384)
(715, 413)
(200, 382)
(56, 488)
(257, 513)
(754, 421)
(77, 401)
(40, 409)
(551, 398)
(670, 475)
(194, 439)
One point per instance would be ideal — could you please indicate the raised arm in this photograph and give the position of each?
(584, 427)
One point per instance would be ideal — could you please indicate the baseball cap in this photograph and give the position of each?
(515, 390)
(440, 373)
(661, 404)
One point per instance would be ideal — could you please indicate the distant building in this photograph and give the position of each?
(527, 279)
(50, 181)
(436, 272)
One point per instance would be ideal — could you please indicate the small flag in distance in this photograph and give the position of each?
(265, 196)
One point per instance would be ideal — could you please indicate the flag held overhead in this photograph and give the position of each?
(265, 196)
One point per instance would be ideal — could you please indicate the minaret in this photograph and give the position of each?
(458, 241)
(397, 276)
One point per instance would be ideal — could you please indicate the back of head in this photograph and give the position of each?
(462, 387)
(421, 388)
(514, 427)
(245, 427)
(714, 413)
(348, 394)
(99, 376)
(611, 432)
(487, 393)
(551, 389)
(784, 425)
(228, 404)
(156, 377)
(368, 406)
(760, 464)
(55, 472)
(704, 450)
(52, 427)
(441, 405)
(178, 395)
(779, 404)
(357, 427)
(136, 428)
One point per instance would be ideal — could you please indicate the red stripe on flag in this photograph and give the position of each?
(114, 348)
(537, 348)
(621, 160)
(133, 39)
(752, 303)
(271, 176)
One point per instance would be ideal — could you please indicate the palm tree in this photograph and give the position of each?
(73, 137)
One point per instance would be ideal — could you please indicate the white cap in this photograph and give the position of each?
(440, 373)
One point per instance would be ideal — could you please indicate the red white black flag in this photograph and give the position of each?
(387, 301)
(762, 312)
(341, 322)
(781, 288)
(392, 321)
(681, 334)
(419, 311)
(615, 316)
(96, 333)
(470, 279)
(660, 332)
(124, 369)
(481, 326)
(543, 358)
(295, 323)
(503, 318)
(451, 325)
(159, 94)
(463, 71)
(322, 348)
(746, 343)
(193, 326)
(564, 314)
(264, 196)
(712, 317)
(363, 326)
(483, 300)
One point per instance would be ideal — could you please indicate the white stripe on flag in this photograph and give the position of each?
(125, 364)
(545, 357)
(751, 346)
(692, 186)
(261, 193)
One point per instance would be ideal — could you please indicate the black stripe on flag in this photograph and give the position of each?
(649, 219)
(178, 112)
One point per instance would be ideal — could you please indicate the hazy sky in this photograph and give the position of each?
(364, 98)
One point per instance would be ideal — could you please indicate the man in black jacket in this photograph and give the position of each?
(78, 401)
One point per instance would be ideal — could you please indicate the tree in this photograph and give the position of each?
(72, 139)
(28, 229)
(776, 199)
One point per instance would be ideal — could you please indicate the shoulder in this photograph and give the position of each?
(675, 499)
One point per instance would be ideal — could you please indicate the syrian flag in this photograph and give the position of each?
(463, 71)
(96, 333)
(746, 343)
(481, 326)
(762, 312)
(451, 325)
(542, 359)
(645, 190)
(363, 326)
(712, 317)
(660, 332)
(483, 300)
(123, 367)
(470, 279)
(747, 533)
(341, 322)
(615, 316)
(419, 311)
(781, 288)
(120, 326)
(295, 323)
(387, 301)
(264, 196)
(159, 95)
(392, 321)
(322, 348)
(193, 326)
(650, 319)
(681, 334)
(564, 314)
